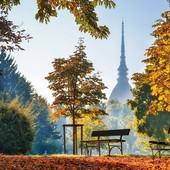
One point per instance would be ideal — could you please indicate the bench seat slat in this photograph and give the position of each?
(103, 141)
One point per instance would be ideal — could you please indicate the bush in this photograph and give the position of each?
(16, 129)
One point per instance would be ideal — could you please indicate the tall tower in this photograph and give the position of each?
(122, 89)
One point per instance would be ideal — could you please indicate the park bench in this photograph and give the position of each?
(159, 147)
(109, 138)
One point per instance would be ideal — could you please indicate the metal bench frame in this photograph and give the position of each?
(159, 147)
(107, 141)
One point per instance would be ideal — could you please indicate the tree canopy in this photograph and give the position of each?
(83, 11)
(157, 71)
(152, 87)
(75, 86)
(12, 83)
(151, 125)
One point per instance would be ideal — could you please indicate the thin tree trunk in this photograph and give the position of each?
(74, 136)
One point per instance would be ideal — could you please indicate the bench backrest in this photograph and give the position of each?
(115, 132)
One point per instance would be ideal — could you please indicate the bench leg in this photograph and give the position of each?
(156, 152)
(159, 152)
(121, 148)
(115, 146)
(89, 152)
(99, 150)
(109, 149)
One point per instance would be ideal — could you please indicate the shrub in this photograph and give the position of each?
(16, 128)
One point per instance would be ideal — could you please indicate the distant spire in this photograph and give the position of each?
(122, 42)
(122, 70)
(122, 89)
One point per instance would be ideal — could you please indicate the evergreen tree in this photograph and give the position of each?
(47, 132)
(12, 85)
(9, 69)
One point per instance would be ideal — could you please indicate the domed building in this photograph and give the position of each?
(122, 90)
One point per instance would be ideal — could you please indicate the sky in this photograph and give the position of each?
(59, 38)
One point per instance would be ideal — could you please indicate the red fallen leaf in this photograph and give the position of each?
(83, 163)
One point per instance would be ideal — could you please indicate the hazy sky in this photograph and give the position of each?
(60, 36)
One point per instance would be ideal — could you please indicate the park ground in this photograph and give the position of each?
(61, 162)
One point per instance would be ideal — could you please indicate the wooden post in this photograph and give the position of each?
(76, 146)
(75, 143)
(64, 134)
(74, 139)
(81, 140)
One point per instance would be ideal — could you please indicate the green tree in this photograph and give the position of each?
(151, 125)
(47, 137)
(97, 121)
(12, 83)
(17, 128)
(75, 86)
(83, 11)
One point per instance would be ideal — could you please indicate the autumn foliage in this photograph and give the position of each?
(158, 65)
(75, 86)
(157, 72)
(83, 11)
(83, 163)
(10, 35)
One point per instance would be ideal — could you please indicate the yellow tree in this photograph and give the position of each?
(158, 65)
(157, 72)
(83, 11)
(75, 87)
(88, 121)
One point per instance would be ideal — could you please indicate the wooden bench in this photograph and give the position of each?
(106, 137)
(159, 148)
